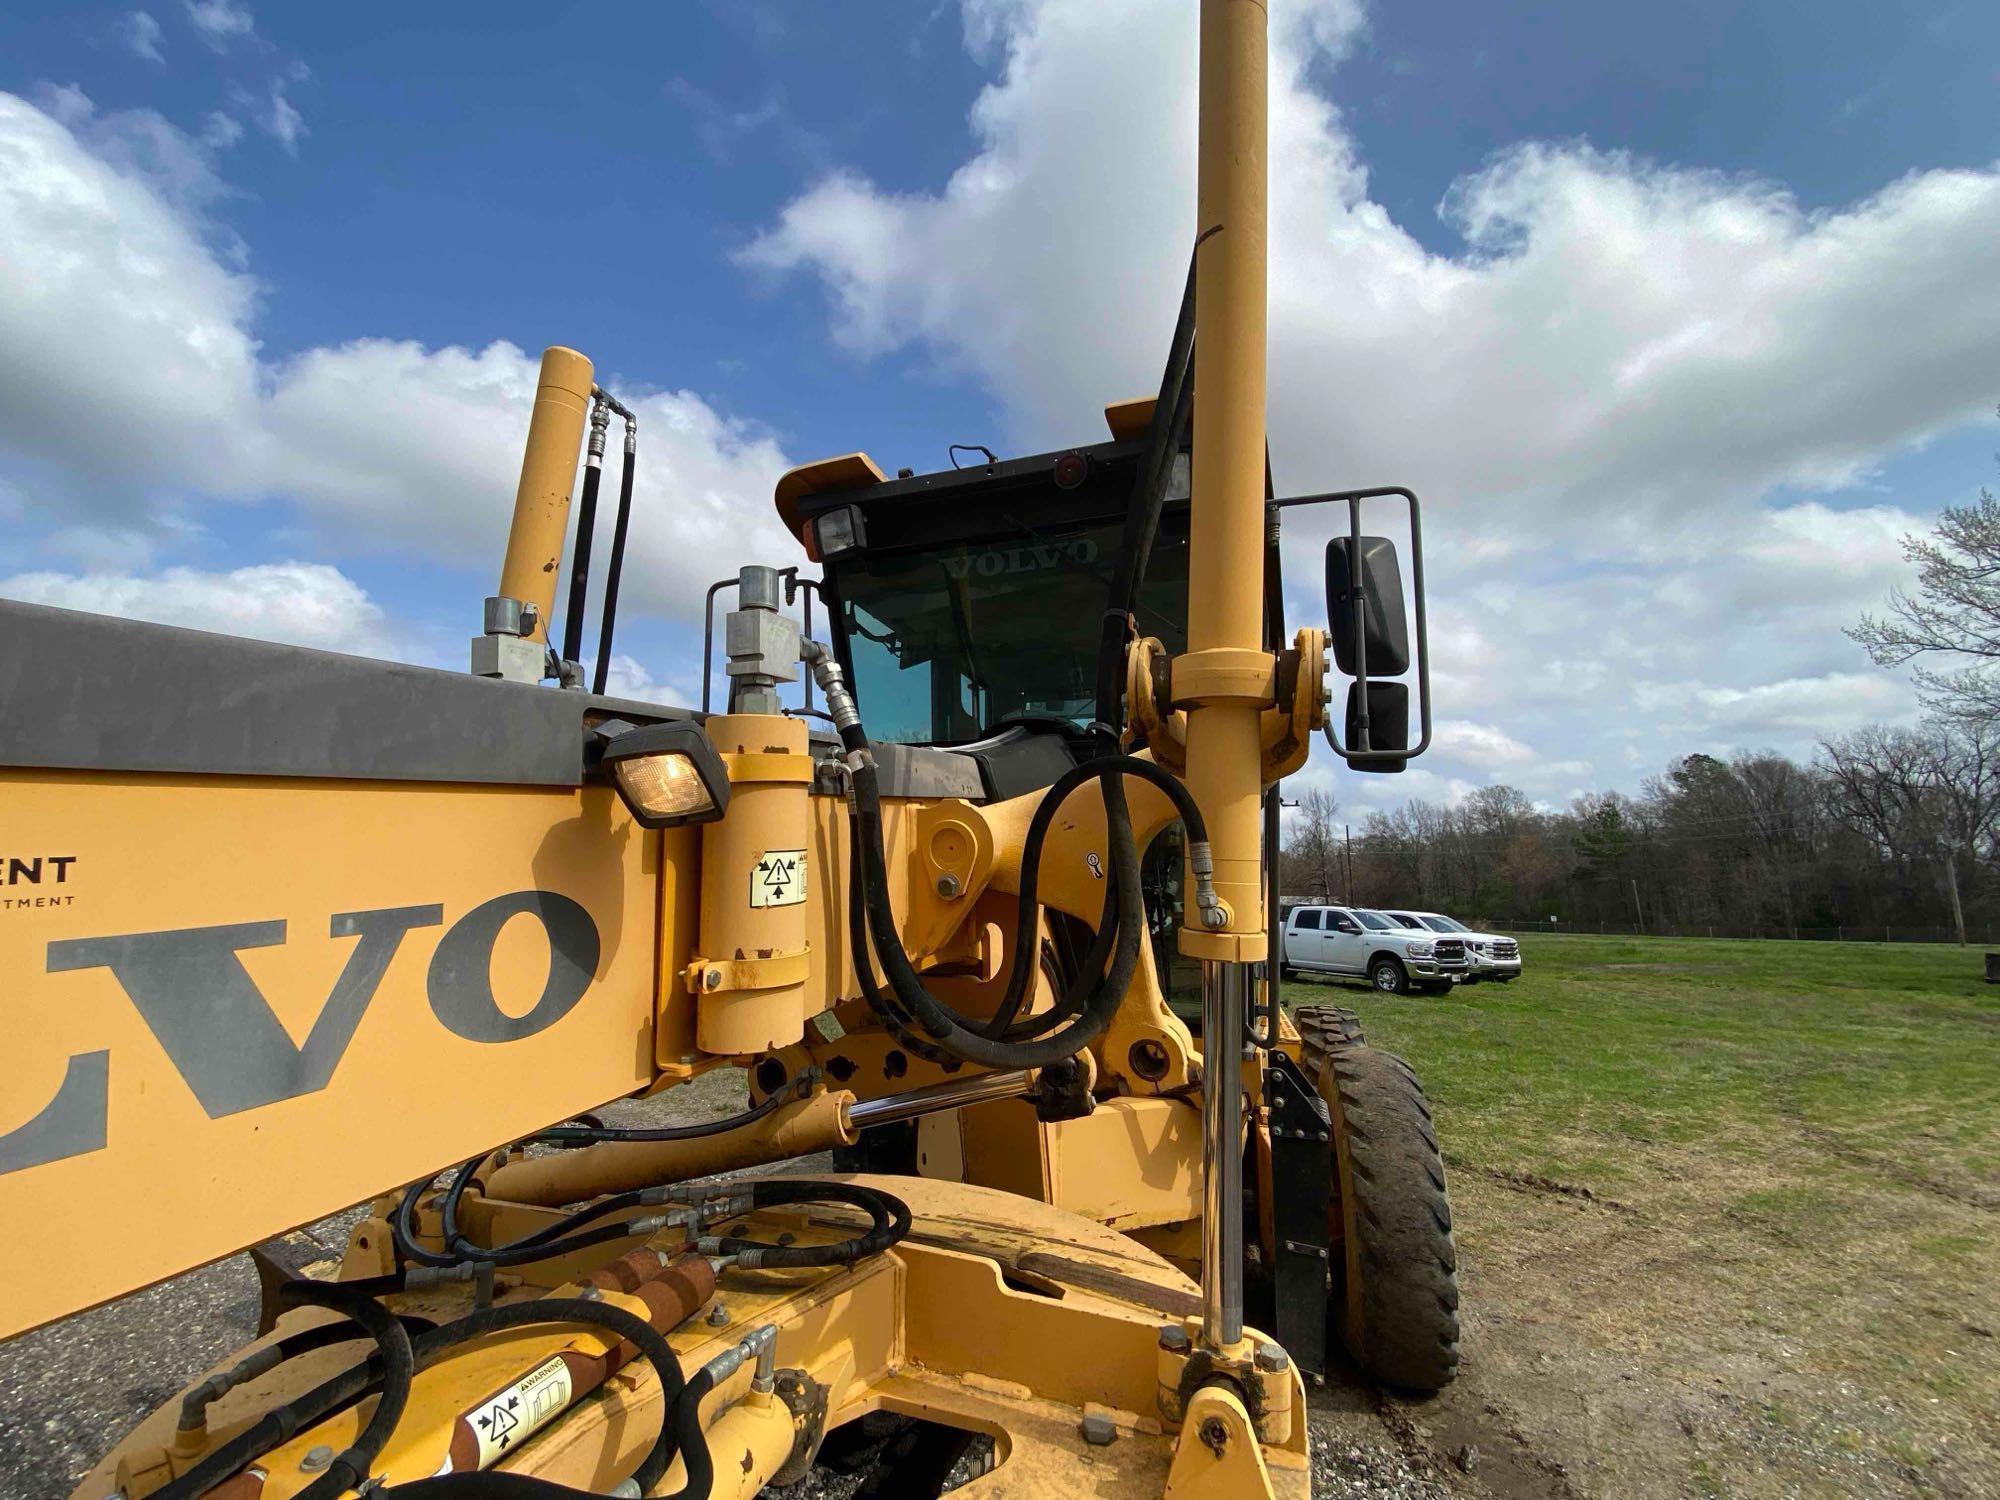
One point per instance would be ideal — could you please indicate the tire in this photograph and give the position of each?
(1325, 1027)
(1395, 1301)
(1438, 989)
(1387, 975)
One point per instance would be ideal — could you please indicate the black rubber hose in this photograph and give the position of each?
(940, 1020)
(652, 1347)
(889, 1222)
(394, 1365)
(579, 572)
(281, 1423)
(1149, 487)
(902, 1025)
(563, 1135)
(615, 569)
(963, 1036)
(898, 1022)
(561, 1238)
(349, 1468)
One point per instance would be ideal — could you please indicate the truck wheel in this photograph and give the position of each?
(1388, 975)
(1395, 1294)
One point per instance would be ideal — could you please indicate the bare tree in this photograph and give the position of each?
(1954, 616)
(1311, 860)
(1928, 796)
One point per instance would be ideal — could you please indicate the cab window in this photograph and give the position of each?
(1309, 918)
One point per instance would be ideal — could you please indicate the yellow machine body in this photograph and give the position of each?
(241, 1000)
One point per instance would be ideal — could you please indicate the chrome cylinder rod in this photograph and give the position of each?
(953, 1093)
(1225, 995)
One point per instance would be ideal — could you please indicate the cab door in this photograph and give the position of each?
(1304, 941)
(1344, 942)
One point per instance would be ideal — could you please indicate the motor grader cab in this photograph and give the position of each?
(298, 931)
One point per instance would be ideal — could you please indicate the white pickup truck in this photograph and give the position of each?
(1350, 942)
(1494, 959)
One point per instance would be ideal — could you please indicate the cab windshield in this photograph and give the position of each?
(948, 642)
(1374, 920)
(1446, 924)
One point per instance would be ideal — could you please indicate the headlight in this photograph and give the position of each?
(1421, 950)
(667, 774)
(1477, 947)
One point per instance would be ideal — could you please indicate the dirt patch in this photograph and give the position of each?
(1684, 1346)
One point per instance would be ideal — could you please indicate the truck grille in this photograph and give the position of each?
(1450, 950)
(1506, 948)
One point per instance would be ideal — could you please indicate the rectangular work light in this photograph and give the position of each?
(667, 774)
(833, 534)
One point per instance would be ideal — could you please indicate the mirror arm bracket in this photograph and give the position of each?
(1361, 754)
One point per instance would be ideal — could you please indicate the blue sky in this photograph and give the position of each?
(1617, 287)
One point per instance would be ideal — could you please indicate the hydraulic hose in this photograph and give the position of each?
(652, 1347)
(394, 1364)
(1102, 994)
(889, 1221)
(281, 1423)
(993, 1042)
(563, 1238)
(586, 528)
(615, 569)
(349, 1468)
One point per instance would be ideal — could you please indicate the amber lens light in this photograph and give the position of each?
(662, 786)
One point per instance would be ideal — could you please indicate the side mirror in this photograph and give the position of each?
(1386, 725)
(1382, 633)
(1371, 634)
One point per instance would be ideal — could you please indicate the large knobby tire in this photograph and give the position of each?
(1325, 1027)
(1396, 1305)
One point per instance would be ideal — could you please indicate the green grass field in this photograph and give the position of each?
(1766, 1173)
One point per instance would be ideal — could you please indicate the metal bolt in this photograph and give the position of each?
(711, 979)
(1173, 1338)
(1214, 1435)
(718, 1315)
(948, 886)
(1214, 916)
(317, 1459)
(1271, 1359)
(1098, 1430)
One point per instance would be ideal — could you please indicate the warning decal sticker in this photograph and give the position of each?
(505, 1419)
(779, 879)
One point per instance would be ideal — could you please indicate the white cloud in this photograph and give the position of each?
(1595, 397)
(630, 678)
(1482, 745)
(303, 604)
(131, 360)
(220, 22)
(146, 388)
(141, 35)
(281, 118)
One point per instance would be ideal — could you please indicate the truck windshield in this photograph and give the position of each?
(1446, 924)
(1374, 920)
(947, 642)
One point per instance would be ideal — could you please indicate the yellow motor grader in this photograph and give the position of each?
(290, 931)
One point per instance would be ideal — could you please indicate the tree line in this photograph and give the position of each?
(1883, 828)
